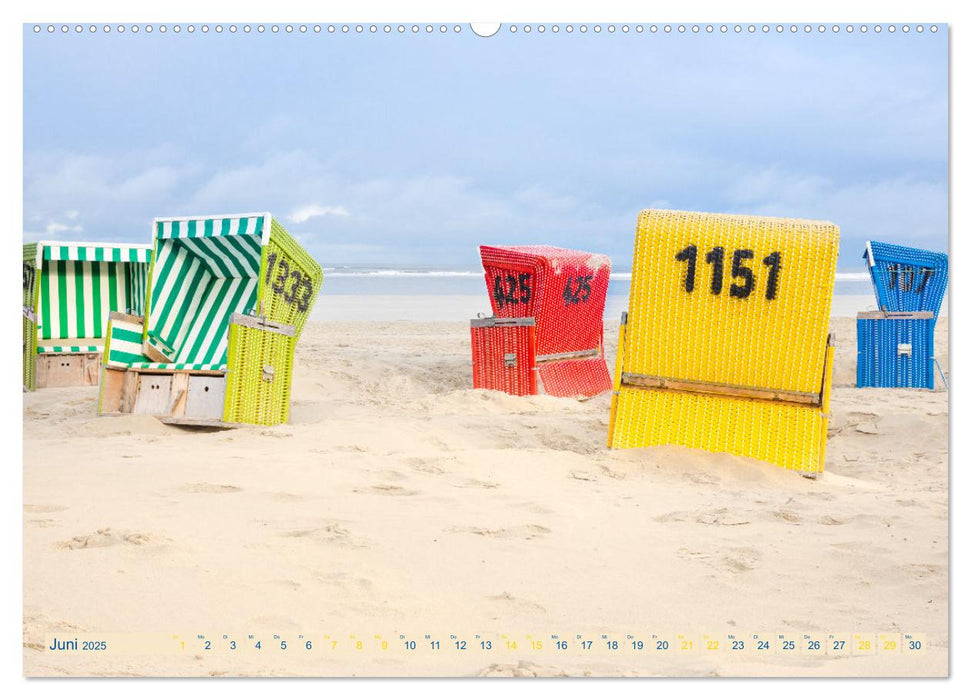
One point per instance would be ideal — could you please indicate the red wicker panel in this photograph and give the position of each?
(491, 346)
(565, 291)
(575, 378)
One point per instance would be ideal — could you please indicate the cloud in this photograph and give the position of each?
(903, 208)
(53, 228)
(310, 211)
(415, 218)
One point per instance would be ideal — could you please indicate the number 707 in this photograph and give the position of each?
(740, 271)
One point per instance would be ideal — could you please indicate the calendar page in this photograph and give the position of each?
(437, 348)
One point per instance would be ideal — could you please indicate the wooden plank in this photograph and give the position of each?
(199, 422)
(41, 363)
(180, 390)
(154, 354)
(112, 391)
(883, 315)
(206, 397)
(494, 321)
(92, 369)
(129, 392)
(122, 316)
(169, 370)
(61, 370)
(154, 395)
(644, 381)
(262, 324)
(575, 355)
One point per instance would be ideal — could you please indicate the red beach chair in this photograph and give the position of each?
(546, 335)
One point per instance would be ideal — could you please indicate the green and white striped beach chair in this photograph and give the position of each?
(70, 289)
(228, 297)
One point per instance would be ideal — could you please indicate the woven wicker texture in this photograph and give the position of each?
(783, 434)
(586, 377)
(204, 270)
(291, 280)
(258, 383)
(906, 279)
(728, 300)
(895, 352)
(504, 359)
(565, 291)
(749, 326)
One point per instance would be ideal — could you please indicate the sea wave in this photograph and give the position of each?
(376, 272)
(401, 273)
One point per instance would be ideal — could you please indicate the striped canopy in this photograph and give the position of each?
(81, 283)
(94, 251)
(206, 269)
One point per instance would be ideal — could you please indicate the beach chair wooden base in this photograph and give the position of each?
(67, 369)
(252, 387)
(201, 423)
(178, 395)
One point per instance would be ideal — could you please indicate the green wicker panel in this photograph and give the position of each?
(291, 280)
(251, 396)
(30, 328)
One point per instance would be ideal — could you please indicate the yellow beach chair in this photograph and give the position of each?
(725, 345)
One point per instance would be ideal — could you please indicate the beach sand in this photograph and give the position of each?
(398, 501)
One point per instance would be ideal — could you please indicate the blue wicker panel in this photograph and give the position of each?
(880, 364)
(907, 279)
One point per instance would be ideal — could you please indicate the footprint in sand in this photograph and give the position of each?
(736, 560)
(330, 534)
(210, 488)
(107, 538)
(34, 508)
(523, 669)
(526, 532)
(42, 522)
(507, 599)
(428, 466)
(389, 490)
(472, 483)
(583, 476)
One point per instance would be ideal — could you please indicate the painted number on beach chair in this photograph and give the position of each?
(577, 289)
(743, 277)
(302, 289)
(906, 274)
(28, 276)
(512, 289)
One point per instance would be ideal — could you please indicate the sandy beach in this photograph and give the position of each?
(398, 501)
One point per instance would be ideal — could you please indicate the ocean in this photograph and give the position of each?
(401, 293)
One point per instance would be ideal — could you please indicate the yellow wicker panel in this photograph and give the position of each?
(760, 323)
(260, 365)
(785, 434)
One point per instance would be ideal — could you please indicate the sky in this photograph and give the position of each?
(403, 149)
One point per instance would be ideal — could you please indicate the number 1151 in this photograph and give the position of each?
(740, 271)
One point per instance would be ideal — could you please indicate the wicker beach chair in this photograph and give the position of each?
(70, 289)
(228, 298)
(895, 345)
(725, 346)
(546, 334)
